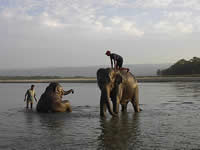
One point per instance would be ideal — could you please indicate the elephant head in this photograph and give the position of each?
(51, 99)
(108, 81)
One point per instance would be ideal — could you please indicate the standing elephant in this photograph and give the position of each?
(51, 99)
(121, 86)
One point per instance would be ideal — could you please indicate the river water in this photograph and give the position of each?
(170, 120)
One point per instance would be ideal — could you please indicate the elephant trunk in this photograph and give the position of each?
(105, 101)
(66, 92)
(102, 104)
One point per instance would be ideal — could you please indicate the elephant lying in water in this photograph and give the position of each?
(51, 99)
(121, 86)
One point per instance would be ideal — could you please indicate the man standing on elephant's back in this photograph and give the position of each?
(118, 61)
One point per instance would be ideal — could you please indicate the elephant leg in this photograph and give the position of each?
(67, 105)
(113, 99)
(116, 105)
(105, 102)
(102, 106)
(135, 101)
(59, 107)
(103, 109)
(69, 108)
(119, 99)
(124, 107)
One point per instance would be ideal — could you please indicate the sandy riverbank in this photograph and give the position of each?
(93, 80)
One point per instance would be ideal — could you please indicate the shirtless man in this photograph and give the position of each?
(30, 96)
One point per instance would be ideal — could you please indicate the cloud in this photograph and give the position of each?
(187, 4)
(130, 28)
(97, 16)
(116, 20)
(179, 15)
(139, 3)
(73, 13)
(75, 27)
(113, 2)
(153, 3)
(49, 21)
(6, 13)
(173, 28)
(178, 23)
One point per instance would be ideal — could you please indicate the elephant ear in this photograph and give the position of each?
(118, 79)
(103, 77)
(59, 90)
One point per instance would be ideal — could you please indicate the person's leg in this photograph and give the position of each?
(120, 63)
(31, 105)
(26, 104)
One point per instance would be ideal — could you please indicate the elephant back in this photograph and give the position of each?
(44, 103)
(127, 77)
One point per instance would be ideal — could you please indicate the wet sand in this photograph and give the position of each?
(93, 80)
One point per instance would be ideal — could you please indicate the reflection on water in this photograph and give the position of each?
(119, 133)
(169, 120)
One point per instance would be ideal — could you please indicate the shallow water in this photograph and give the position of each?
(170, 120)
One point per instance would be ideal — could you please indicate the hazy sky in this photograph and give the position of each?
(49, 33)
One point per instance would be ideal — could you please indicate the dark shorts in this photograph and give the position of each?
(120, 63)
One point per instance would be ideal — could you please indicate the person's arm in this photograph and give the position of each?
(111, 62)
(35, 97)
(115, 62)
(25, 95)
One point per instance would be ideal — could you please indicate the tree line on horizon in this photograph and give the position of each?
(182, 67)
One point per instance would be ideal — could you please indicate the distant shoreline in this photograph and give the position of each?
(93, 80)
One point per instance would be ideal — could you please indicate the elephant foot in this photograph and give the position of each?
(124, 111)
(67, 105)
(102, 115)
(137, 109)
(69, 109)
(115, 114)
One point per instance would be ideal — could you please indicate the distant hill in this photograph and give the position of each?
(137, 70)
(183, 67)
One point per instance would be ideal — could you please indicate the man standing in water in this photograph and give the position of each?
(30, 96)
(118, 61)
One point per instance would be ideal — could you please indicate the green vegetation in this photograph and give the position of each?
(183, 67)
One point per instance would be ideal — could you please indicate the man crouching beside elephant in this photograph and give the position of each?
(51, 99)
